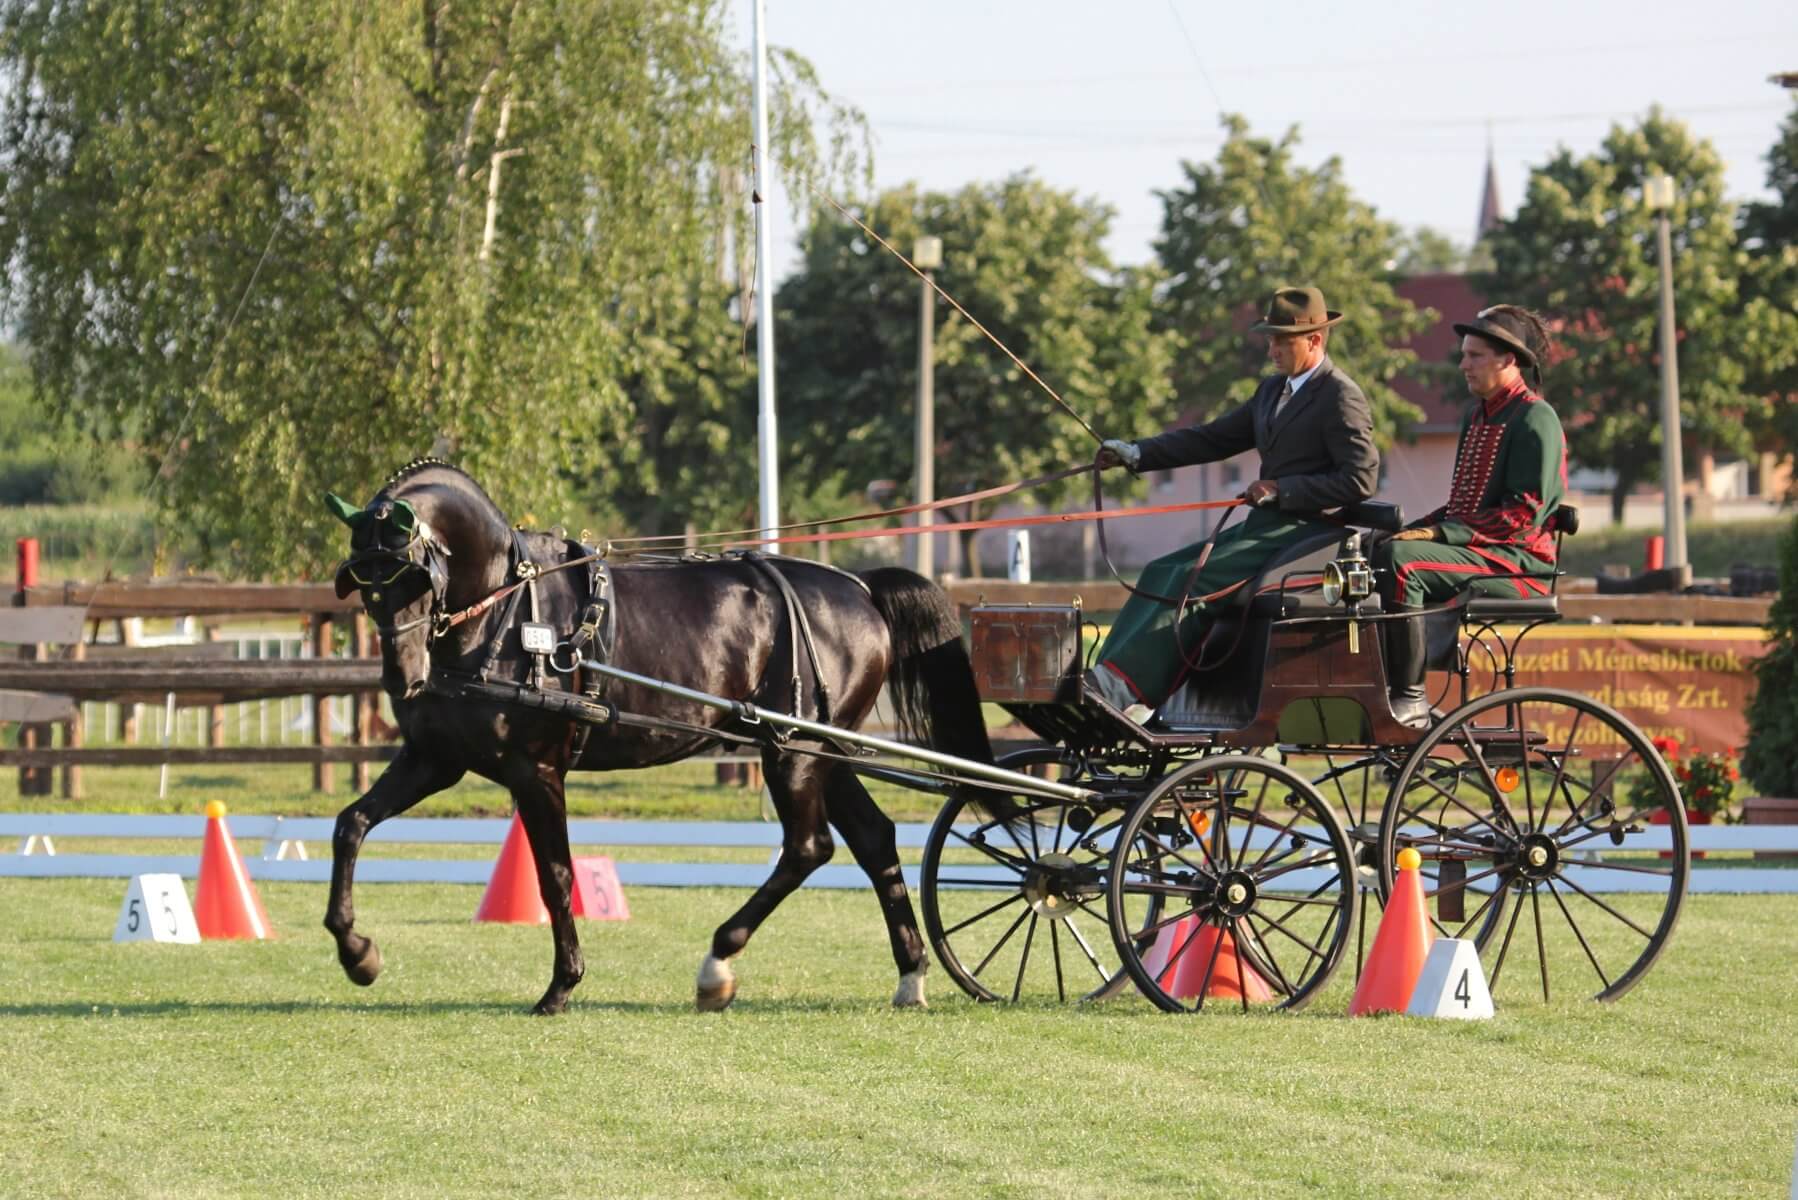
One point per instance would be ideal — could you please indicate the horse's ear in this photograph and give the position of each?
(346, 583)
(344, 511)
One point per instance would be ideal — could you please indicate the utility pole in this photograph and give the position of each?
(1660, 195)
(927, 256)
(767, 444)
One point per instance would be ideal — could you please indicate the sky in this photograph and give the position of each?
(1107, 99)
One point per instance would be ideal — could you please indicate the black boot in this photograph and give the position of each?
(1405, 658)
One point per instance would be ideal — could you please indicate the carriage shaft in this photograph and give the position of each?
(976, 772)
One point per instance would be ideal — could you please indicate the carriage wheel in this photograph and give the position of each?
(1240, 852)
(1553, 808)
(1014, 909)
(1361, 786)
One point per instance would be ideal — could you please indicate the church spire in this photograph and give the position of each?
(1489, 214)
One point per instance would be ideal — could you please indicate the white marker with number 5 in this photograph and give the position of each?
(156, 910)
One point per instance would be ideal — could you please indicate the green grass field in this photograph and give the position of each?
(232, 1069)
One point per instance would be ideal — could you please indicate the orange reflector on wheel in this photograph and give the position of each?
(1507, 779)
(1200, 822)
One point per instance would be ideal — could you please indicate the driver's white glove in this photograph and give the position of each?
(1114, 452)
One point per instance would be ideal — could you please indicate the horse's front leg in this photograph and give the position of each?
(542, 807)
(409, 778)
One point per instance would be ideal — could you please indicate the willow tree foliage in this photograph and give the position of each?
(293, 245)
(1582, 250)
(1026, 261)
(1254, 220)
(1770, 237)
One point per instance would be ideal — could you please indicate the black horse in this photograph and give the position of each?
(431, 548)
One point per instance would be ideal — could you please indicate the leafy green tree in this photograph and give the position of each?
(1028, 262)
(1582, 251)
(299, 243)
(1428, 251)
(1770, 236)
(1252, 221)
(1771, 758)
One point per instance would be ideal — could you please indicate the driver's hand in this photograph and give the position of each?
(1114, 452)
(1428, 533)
(1263, 493)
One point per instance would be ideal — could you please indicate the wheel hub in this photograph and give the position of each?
(1235, 894)
(1538, 857)
(1054, 886)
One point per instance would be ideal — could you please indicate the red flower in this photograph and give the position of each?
(1703, 792)
(1683, 773)
(1668, 747)
(1733, 773)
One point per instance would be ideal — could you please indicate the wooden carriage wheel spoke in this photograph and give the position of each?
(1479, 757)
(1541, 953)
(1492, 898)
(1289, 868)
(1217, 949)
(1184, 816)
(1000, 944)
(1574, 925)
(1017, 987)
(983, 914)
(1061, 991)
(1482, 818)
(1266, 950)
(1607, 908)
(1098, 967)
(1505, 946)
(1554, 788)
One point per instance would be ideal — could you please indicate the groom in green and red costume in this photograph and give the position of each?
(1312, 427)
(1510, 475)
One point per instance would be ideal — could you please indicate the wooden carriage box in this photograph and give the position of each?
(1027, 654)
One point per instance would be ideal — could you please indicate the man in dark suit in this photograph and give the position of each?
(1314, 431)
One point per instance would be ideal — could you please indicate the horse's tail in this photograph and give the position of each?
(932, 680)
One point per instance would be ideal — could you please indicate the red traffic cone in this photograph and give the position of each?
(226, 904)
(512, 893)
(1231, 978)
(1399, 948)
(1169, 939)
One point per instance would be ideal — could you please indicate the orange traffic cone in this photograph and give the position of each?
(1169, 939)
(1399, 948)
(226, 904)
(512, 893)
(1231, 978)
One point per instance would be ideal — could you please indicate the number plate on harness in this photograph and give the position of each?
(538, 639)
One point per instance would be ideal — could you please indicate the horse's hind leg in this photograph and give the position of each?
(797, 785)
(409, 778)
(869, 835)
(542, 807)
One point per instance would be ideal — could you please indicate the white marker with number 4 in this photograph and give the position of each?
(1452, 984)
(156, 910)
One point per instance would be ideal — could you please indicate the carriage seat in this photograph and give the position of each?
(1496, 599)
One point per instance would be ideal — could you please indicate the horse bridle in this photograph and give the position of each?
(422, 552)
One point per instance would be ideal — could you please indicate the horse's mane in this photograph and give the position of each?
(418, 464)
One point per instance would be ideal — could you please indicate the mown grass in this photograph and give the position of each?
(233, 1069)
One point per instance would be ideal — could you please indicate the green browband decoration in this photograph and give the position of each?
(403, 516)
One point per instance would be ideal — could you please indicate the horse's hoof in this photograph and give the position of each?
(550, 1006)
(364, 968)
(911, 991)
(717, 985)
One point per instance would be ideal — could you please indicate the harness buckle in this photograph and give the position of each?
(527, 570)
(574, 659)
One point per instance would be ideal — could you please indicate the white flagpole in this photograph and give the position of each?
(766, 436)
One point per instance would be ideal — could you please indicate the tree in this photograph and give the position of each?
(297, 244)
(1253, 221)
(1428, 251)
(1027, 261)
(1769, 234)
(1581, 250)
(1771, 758)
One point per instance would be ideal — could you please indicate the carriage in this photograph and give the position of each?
(1269, 801)
(1254, 825)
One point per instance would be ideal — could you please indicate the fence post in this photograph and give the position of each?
(365, 702)
(322, 775)
(77, 734)
(215, 713)
(33, 781)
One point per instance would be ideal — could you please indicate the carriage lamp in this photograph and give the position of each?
(1348, 577)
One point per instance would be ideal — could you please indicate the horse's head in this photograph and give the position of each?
(401, 566)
